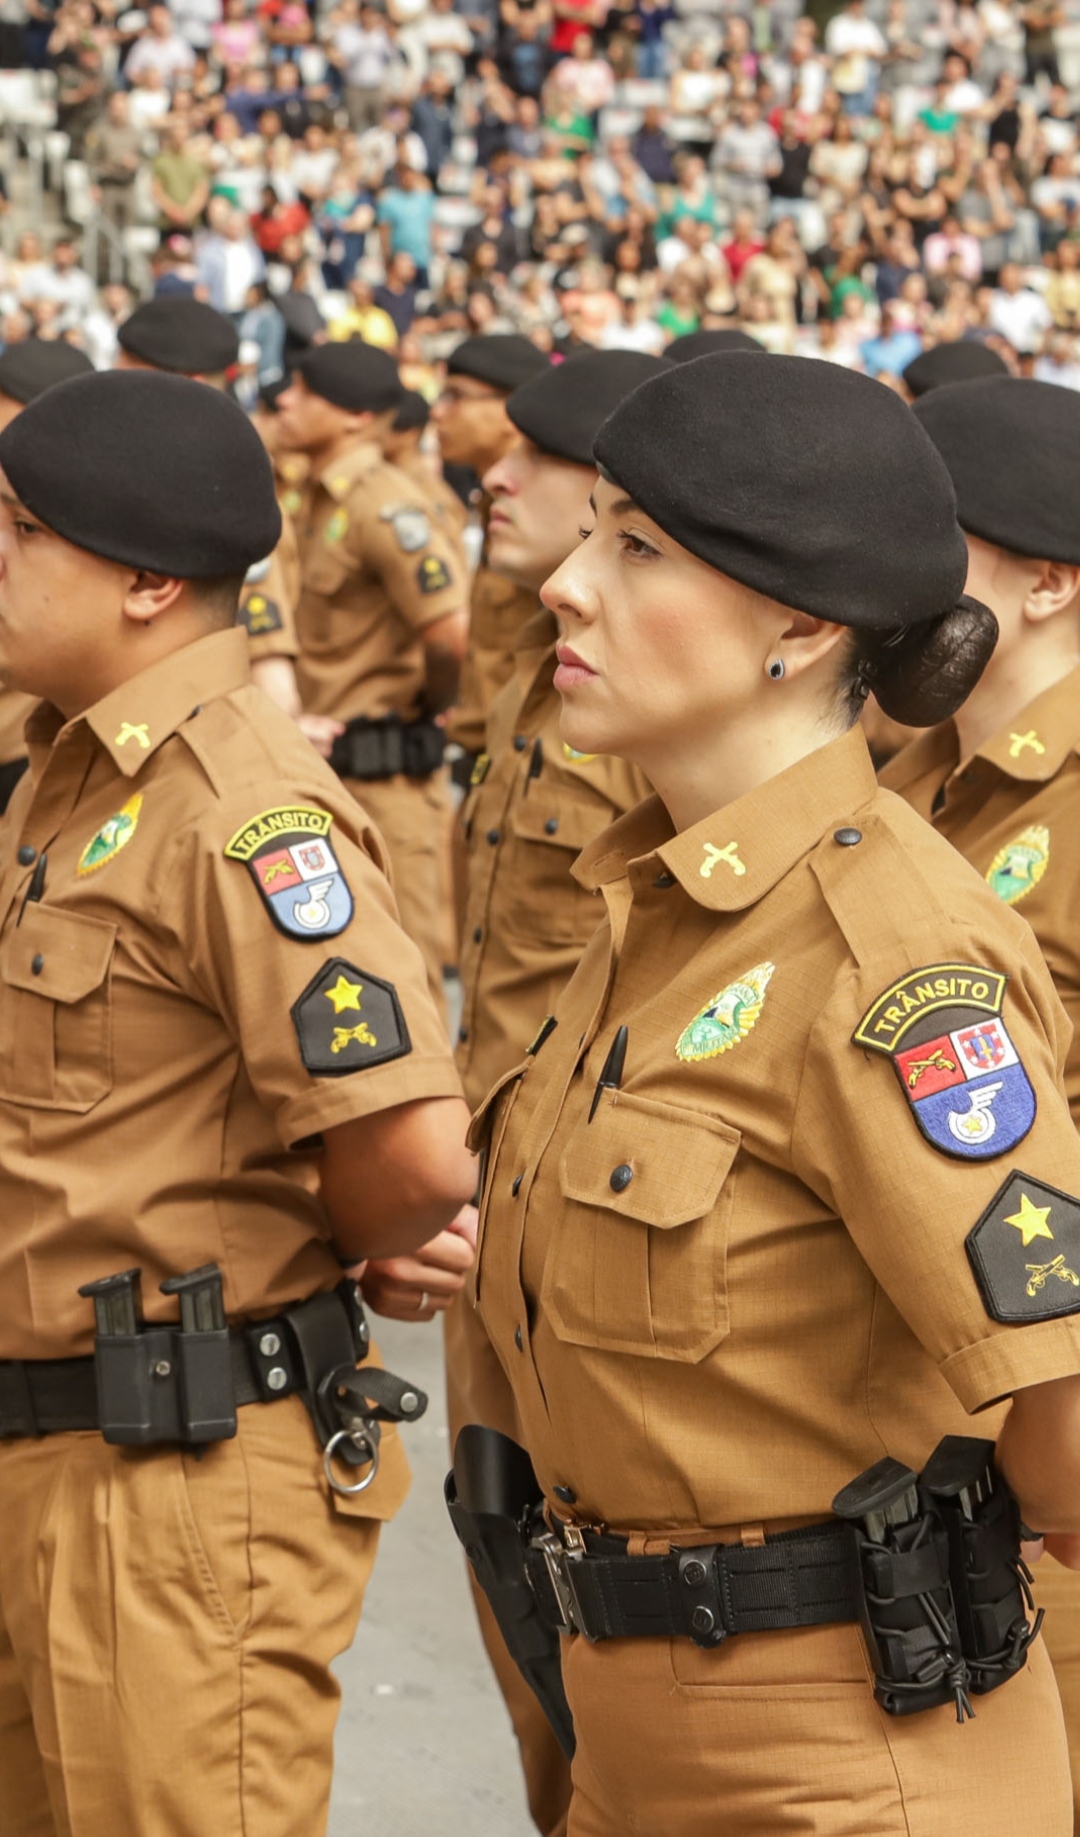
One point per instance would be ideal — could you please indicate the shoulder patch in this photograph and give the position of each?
(1025, 1252)
(432, 575)
(259, 615)
(727, 1018)
(958, 1068)
(347, 1020)
(289, 858)
(410, 525)
(1018, 867)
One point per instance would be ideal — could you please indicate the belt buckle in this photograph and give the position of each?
(560, 1554)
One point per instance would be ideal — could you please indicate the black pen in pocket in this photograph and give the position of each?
(611, 1077)
(36, 887)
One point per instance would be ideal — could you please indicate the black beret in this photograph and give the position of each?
(956, 362)
(182, 335)
(709, 344)
(503, 359)
(36, 364)
(355, 376)
(809, 483)
(154, 471)
(562, 411)
(413, 413)
(1013, 449)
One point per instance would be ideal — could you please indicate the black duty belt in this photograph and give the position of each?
(586, 1583)
(388, 748)
(10, 775)
(55, 1396)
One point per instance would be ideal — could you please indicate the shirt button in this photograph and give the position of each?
(520, 743)
(551, 826)
(477, 935)
(847, 838)
(664, 880)
(621, 1178)
(493, 836)
(566, 1494)
(516, 1187)
(26, 855)
(37, 965)
(518, 1341)
(463, 1034)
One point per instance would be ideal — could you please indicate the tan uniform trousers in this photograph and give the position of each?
(411, 816)
(477, 1391)
(778, 1733)
(167, 1626)
(1058, 1590)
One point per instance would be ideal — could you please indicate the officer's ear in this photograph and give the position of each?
(149, 595)
(1057, 587)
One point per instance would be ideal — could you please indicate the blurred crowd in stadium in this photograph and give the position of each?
(854, 182)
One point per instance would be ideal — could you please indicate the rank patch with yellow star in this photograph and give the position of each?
(347, 1020)
(1025, 1252)
(259, 615)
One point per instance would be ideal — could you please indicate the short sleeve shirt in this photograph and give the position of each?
(267, 609)
(1013, 811)
(722, 1290)
(535, 805)
(376, 568)
(212, 975)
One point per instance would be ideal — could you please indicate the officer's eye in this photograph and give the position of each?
(23, 528)
(635, 547)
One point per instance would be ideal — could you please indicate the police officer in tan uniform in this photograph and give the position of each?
(534, 805)
(382, 617)
(221, 1077)
(1001, 780)
(26, 370)
(475, 431)
(785, 1191)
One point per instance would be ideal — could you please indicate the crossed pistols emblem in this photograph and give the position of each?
(1040, 1273)
(936, 1062)
(361, 1034)
(134, 730)
(714, 855)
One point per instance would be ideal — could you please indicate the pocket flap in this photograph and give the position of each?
(480, 1125)
(71, 952)
(561, 822)
(677, 1160)
(324, 568)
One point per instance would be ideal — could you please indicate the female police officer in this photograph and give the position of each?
(731, 1256)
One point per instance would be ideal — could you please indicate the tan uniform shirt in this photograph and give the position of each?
(498, 613)
(1013, 811)
(746, 1279)
(267, 609)
(451, 512)
(527, 919)
(375, 570)
(192, 956)
(14, 713)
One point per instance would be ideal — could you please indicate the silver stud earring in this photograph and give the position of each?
(776, 669)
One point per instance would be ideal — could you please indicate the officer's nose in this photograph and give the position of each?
(569, 592)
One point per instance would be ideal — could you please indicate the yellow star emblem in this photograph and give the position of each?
(1030, 1221)
(346, 994)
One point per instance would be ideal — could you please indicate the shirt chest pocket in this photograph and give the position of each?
(546, 903)
(637, 1260)
(324, 573)
(56, 1017)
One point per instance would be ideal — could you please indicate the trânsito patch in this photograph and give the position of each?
(942, 1028)
(432, 575)
(259, 615)
(289, 858)
(1025, 1251)
(347, 1020)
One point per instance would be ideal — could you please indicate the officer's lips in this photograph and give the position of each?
(572, 670)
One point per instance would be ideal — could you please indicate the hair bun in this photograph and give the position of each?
(928, 671)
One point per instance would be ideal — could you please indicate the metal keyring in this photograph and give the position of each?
(359, 1440)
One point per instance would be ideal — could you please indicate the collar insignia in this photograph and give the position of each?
(1017, 743)
(134, 730)
(727, 1019)
(1020, 865)
(713, 857)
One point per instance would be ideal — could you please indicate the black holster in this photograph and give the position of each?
(387, 748)
(495, 1505)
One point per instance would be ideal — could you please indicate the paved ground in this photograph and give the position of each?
(424, 1744)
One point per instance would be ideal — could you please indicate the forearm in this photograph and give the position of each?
(1038, 1451)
